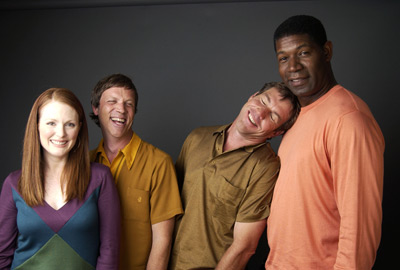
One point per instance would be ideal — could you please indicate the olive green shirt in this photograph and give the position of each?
(218, 189)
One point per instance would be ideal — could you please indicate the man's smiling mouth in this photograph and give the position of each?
(252, 120)
(119, 120)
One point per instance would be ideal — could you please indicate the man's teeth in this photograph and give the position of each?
(59, 142)
(251, 119)
(118, 119)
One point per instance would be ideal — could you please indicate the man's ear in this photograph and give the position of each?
(95, 110)
(328, 50)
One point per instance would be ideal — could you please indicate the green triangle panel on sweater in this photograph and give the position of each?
(56, 254)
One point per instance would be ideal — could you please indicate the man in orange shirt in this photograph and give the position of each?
(144, 175)
(326, 211)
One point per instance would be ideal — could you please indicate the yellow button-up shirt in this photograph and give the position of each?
(148, 190)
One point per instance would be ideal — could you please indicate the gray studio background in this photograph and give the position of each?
(194, 63)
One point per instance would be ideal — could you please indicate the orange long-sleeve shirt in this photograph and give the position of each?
(326, 211)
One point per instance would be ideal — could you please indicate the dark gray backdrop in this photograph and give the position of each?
(194, 63)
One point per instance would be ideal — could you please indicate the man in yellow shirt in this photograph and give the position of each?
(144, 175)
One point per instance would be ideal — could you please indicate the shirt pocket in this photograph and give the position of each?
(225, 200)
(136, 206)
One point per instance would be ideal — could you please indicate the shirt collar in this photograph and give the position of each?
(129, 151)
(221, 131)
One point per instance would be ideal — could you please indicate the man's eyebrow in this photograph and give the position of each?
(303, 45)
(297, 48)
(268, 98)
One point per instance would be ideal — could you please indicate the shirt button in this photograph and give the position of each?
(139, 199)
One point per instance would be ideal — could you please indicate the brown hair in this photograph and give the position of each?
(285, 94)
(76, 173)
(114, 80)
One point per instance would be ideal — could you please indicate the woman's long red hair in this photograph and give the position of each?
(76, 173)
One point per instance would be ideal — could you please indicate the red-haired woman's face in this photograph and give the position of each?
(58, 129)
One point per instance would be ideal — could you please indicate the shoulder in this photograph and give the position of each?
(344, 101)
(206, 130)
(266, 157)
(351, 109)
(200, 137)
(12, 179)
(153, 152)
(203, 133)
(100, 178)
(262, 152)
(267, 151)
(10, 184)
(99, 173)
(97, 168)
(338, 107)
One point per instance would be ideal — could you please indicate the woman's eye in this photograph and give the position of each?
(71, 125)
(51, 123)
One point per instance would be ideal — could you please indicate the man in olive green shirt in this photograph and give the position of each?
(227, 175)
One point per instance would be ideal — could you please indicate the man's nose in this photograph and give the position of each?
(294, 64)
(120, 107)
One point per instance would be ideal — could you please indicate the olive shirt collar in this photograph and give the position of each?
(221, 131)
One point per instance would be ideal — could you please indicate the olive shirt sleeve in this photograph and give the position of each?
(180, 162)
(257, 199)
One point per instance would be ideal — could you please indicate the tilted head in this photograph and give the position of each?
(114, 80)
(285, 94)
(267, 113)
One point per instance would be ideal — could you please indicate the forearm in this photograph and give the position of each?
(161, 245)
(235, 258)
(245, 241)
(159, 256)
